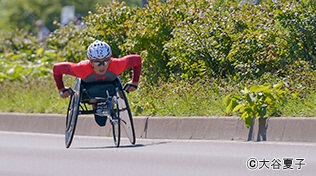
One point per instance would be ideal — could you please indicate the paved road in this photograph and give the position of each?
(28, 154)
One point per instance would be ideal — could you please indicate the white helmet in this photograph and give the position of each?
(99, 50)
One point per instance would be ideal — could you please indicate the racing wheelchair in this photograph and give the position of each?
(108, 99)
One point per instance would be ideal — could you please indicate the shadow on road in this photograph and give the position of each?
(123, 146)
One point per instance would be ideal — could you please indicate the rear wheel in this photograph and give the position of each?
(72, 114)
(126, 117)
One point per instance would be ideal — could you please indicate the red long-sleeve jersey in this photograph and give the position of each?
(85, 71)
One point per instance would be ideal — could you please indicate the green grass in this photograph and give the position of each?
(302, 107)
(167, 99)
(33, 97)
(179, 99)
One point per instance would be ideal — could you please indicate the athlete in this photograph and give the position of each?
(100, 67)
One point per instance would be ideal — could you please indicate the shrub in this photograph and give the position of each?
(259, 101)
(183, 40)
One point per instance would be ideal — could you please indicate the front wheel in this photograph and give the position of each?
(116, 124)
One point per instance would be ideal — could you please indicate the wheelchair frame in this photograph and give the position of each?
(120, 111)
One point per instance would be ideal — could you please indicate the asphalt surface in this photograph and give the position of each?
(37, 154)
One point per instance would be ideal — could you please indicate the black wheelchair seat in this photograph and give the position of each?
(94, 100)
(97, 92)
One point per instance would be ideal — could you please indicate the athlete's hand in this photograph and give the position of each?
(130, 86)
(64, 93)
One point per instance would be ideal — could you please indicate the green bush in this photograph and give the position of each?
(189, 39)
(21, 57)
(243, 42)
(184, 41)
(69, 43)
(260, 101)
(298, 20)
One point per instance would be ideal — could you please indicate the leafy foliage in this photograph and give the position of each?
(299, 21)
(187, 39)
(22, 14)
(21, 59)
(184, 41)
(256, 102)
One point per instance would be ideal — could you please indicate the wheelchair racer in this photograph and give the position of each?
(101, 66)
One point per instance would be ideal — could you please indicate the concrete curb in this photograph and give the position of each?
(285, 129)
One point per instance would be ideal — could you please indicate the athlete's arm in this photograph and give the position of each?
(135, 62)
(80, 70)
(59, 70)
(130, 61)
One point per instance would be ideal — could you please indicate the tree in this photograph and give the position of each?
(22, 14)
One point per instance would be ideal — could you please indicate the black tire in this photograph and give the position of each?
(116, 124)
(72, 114)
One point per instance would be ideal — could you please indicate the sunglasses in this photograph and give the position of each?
(100, 63)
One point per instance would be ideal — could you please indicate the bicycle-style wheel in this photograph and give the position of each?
(126, 117)
(116, 123)
(72, 115)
